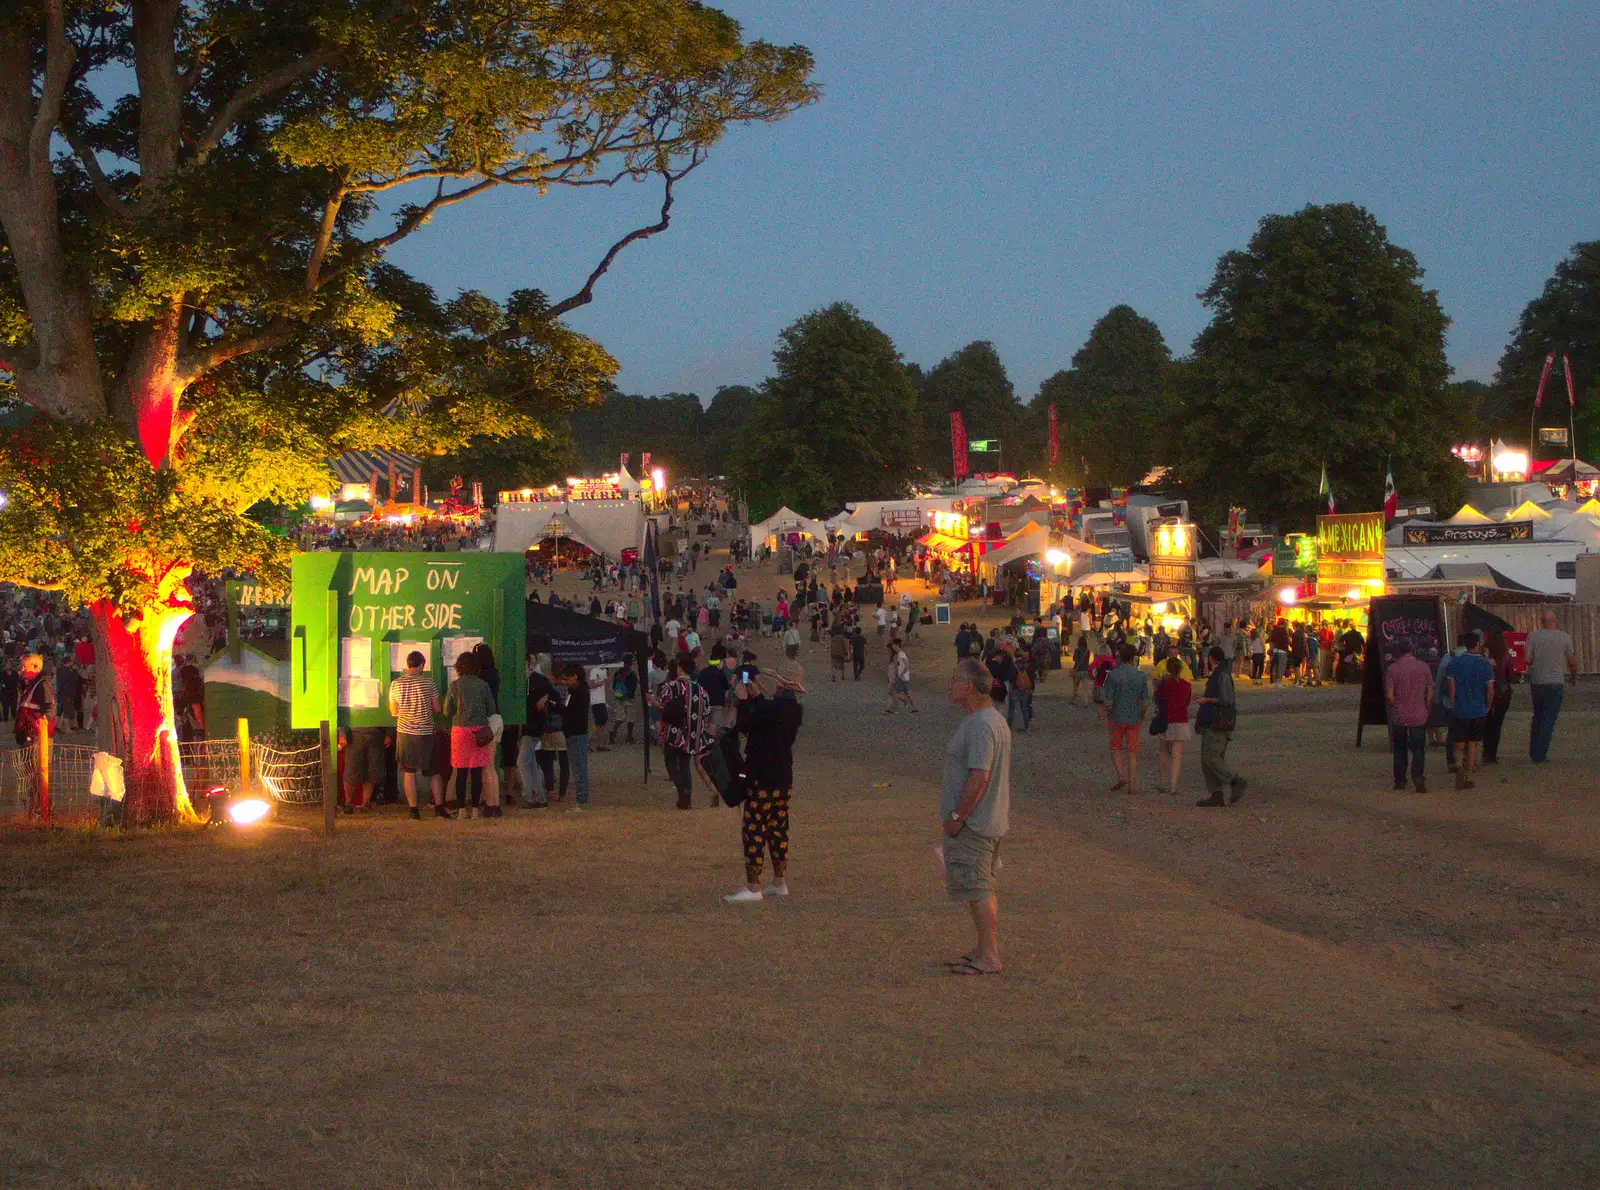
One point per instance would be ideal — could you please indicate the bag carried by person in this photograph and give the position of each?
(482, 735)
(1226, 717)
(1158, 721)
(724, 767)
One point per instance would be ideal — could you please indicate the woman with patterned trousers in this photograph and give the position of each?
(769, 726)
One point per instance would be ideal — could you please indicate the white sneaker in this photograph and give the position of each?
(743, 896)
(775, 890)
(578, 810)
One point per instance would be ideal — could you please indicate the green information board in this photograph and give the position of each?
(355, 616)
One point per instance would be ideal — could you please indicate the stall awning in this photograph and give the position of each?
(1028, 542)
(942, 542)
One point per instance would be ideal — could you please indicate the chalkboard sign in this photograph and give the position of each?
(355, 617)
(1392, 619)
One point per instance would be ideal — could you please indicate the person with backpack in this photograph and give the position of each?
(1218, 714)
(1019, 707)
(685, 729)
(624, 689)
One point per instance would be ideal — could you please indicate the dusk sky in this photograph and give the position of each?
(1011, 171)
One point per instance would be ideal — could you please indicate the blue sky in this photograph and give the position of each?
(1010, 171)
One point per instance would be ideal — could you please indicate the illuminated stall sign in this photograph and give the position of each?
(952, 524)
(1295, 556)
(1350, 551)
(900, 518)
(1467, 534)
(605, 487)
(1172, 557)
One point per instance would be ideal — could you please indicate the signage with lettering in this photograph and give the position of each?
(249, 593)
(900, 518)
(1553, 435)
(355, 616)
(1392, 620)
(1295, 556)
(1350, 535)
(1467, 534)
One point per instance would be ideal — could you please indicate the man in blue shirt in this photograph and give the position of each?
(1471, 684)
(1127, 698)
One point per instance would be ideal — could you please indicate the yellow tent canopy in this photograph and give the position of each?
(1591, 507)
(1469, 516)
(1527, 511)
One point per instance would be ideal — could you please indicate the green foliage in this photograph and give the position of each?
(1114, 404)
(729, 412)
(837, 422)
(1565, 318)
(1323, 347)
(972, 382)
(83, 516)
(521, 461)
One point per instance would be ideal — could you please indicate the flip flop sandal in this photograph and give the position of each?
(971, 969)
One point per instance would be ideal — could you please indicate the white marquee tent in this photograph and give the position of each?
(786, 520)
(606, 526)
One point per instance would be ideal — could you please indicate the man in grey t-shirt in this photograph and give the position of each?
(1551, 659)
(975, 808)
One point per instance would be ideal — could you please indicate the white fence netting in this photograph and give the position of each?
(293, 775)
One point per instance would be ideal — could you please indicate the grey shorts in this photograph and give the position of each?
(414, 753)
(970, 860)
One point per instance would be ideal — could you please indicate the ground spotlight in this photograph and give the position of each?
(216, 805)
(249, 811)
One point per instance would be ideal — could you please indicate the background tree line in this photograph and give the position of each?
(1325, 347)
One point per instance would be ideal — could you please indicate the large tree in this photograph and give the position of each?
(1113, 405)
(837, 422)
(194, 298)
(1564, 319)
(1323, 348)
(725, 419)
(972, 382)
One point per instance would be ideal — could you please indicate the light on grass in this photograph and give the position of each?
(249, 811)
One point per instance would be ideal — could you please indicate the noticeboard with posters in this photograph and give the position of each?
(356, 616)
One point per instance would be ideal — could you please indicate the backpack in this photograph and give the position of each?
(675, 708)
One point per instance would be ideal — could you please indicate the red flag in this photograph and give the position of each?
(1549, 361)
(1055, 437)
(1391, 498)
(1566, 366)
(624, 466)
(958, 444)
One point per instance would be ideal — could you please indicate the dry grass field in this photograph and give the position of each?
(1327, 985)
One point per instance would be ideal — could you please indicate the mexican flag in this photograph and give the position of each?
(1326, 489)
(1391, 498)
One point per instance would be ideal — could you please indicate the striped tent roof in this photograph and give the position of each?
(357, 466)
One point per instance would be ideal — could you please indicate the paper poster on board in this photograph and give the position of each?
(453, 646)
(399, 650)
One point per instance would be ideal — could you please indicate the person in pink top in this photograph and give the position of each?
(1408, 690)
(1174, 695)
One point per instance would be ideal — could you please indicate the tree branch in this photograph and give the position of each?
(103, 189)
(59, 57)
(407, 225)
(276, 333)
(586, 295)
(319, 249)
(274, 80)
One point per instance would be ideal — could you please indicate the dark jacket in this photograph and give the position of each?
(769, 726)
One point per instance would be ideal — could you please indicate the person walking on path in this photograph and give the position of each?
(1215, 720)
(685, 730)
(899, 678)
(1471, 683)
(1408, 691)
(413, 701)
(1080, 669)
(1173, 694)
(575, 730)
(975, 808)
(1127, 698)
(469, 704)
(1505, 676)
(838, 651)
(1551, 660)
(769, 726)
(858, 653)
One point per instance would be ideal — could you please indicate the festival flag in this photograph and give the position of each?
(1055, 437)
(1326, 488)
(394, 482)
(653, 571)
(1572, 397)
(1391, 498)
(958, 445)
(416, 485)
(624, 466)
(1549, 362)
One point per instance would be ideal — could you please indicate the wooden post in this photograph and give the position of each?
(329, 793)
(244, 754)
(42, 742)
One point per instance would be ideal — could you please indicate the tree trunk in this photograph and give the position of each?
(133, 680)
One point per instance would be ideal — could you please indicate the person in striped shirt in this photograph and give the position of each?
(414, 701)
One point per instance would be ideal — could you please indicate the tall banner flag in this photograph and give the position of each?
(1055, 436)
(644, 464)
(416, 486)
(1572, 398)
(394, 482)
(958, 445)
(1326, 488)
(653, 571)
(1391, 498)
(1544, 376)
(624, 466)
